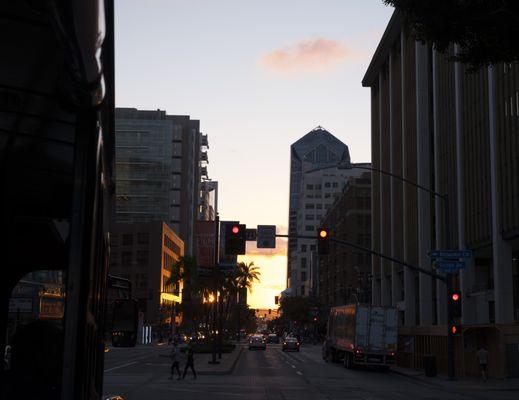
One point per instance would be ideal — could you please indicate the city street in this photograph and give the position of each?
(140, 373)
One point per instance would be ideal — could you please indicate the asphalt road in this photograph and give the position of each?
(140, 374)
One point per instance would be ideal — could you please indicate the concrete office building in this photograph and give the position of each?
(208, 206)
(145, 253)
(436, 124)
(344, 275)
(160, 159)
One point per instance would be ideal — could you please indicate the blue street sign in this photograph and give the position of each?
(450, 265)
(450, 254)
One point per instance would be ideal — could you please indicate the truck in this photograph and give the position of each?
(362, 334)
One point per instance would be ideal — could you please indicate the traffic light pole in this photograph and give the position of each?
(216, 274)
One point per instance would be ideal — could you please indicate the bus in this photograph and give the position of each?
(56, 208)
(121, 331)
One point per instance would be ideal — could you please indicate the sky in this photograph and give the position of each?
(258, 75)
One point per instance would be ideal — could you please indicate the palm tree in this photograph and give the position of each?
(247, 275)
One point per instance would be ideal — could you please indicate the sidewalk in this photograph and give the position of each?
(471, 383)
(225, 367)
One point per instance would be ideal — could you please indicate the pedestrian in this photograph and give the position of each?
(174, 361)
(190, 362)
(482, 356)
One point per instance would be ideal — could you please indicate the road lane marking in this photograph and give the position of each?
(299, 373)
(292, 365)
(120, 366)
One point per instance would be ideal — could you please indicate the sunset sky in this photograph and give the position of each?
(258, 75)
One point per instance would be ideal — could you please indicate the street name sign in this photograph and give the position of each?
(266, 237)
(450, 254)
(448, 266)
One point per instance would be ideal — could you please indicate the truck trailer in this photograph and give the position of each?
(362, 334)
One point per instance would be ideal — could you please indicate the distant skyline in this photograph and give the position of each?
(258, 75)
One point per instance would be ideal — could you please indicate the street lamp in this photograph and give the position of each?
(448, 279)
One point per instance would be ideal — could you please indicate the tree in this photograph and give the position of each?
(485, 30)
(247, 275)
(295, 308)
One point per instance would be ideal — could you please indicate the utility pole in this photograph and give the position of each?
(216, 274)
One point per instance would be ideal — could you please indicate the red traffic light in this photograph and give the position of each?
(455, 296)
(456, 329)
(235, 229)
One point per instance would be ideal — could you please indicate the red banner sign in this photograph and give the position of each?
(205, 243)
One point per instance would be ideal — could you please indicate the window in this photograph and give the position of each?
(143, 237)
(310, 187)
(303, 262)
(127, 239)
(309, 217)
(126, 259)
(327, 195)
(312, 247)
(309, 206)
(319, 206)
(303, 276)
(318, 186)
(302, 290)
(309, 228)
(142, 257)
(327, 184)
(303, 248)
(334, 184)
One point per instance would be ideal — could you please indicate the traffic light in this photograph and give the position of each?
(270, 311)
(455, 329)
(276, 299)
(314, 319)
(235, 239)
(323, 241)
(455, 300)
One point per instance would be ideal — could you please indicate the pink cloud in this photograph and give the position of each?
(308, 56)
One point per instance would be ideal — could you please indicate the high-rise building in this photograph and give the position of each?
(208, 206)
(453, 131)
(160, 159)
(315, 180)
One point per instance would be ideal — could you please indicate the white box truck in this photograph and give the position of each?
(362, 334)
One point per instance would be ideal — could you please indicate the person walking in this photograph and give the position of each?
(190, 362)
(174, 356)
(482, 356)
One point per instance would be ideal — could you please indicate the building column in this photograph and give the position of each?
(396, 286)
(423, 171)
(468, 304)
(439, 204)
(375, 223)
(409, 289)
(384, 286)
(501, 250)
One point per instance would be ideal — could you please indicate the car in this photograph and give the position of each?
(272, 338)
(257, 342)
(291, 343)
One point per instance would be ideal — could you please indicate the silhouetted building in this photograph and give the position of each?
(344, 275)
(455, 132)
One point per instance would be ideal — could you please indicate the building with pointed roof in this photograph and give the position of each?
(315, 177)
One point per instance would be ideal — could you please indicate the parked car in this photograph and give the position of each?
(257, 342)
(291, 343)
(272, 338)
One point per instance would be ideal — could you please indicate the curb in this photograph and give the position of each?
(227, 371)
